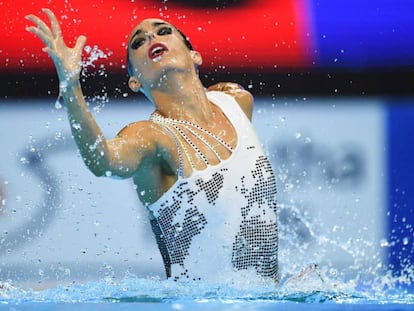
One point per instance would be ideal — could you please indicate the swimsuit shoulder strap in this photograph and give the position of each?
(177, 144)
(184, 133)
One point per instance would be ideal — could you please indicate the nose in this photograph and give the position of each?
(150, 35)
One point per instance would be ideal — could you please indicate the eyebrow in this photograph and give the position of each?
(140, 31)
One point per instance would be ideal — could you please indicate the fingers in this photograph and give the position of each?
(39, 23)
(52, 36)
(53, 31)
(43, 36)
(53, 23)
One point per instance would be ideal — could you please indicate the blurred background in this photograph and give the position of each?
(334, 90)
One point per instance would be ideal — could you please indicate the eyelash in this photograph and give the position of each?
(163, 31)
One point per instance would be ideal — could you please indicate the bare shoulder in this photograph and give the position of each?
(244, 98)
(144, 128)
(145, 133)
(137, 143)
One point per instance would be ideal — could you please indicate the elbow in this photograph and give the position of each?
(96, 168)
(104, 167)
(99, 173)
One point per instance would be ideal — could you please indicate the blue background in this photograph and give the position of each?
(364, 33)
(401, 181)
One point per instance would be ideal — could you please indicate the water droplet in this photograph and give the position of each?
(24, 161)
(384, 243)
(157, 59)
(58, 105)
(58, 135)
(288, 187)
(335, 228)
(177, 306)
(76, 126)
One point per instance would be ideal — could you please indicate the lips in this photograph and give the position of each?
(157, 50)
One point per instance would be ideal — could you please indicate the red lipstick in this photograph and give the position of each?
(156, 50)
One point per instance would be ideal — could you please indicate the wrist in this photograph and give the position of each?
(68, 84)
(68, 79)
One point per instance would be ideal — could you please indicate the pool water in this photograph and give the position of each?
(311, 291)
(362, 280)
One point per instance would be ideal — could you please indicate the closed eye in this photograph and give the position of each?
(164, 31)
(136, 43)
(138, 40)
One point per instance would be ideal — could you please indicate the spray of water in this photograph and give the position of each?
(307, 275)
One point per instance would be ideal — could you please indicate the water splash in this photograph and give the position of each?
(91, 56)
(307, 289)
(366, 281)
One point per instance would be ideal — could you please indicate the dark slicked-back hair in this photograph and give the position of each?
(186, 42)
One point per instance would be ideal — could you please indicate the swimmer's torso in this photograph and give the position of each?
(219, 223)
(197, 149)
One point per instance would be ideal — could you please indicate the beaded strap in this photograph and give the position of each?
(178, 143)
(205, 142)
(173, 126)
(188, 140)
(161, 119)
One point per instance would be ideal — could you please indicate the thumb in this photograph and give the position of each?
(80, 42)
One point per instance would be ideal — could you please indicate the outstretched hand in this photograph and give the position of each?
(68, 61)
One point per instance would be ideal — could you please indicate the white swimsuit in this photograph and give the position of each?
(219, 224)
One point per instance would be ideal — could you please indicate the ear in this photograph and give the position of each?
(134, 84)
(197, 59)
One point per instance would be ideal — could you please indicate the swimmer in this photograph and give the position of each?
(197, 163)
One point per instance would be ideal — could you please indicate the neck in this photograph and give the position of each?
(182, 97)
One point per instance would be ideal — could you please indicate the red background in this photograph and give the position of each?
(257, 35)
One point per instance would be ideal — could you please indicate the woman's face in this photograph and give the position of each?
(155, 48)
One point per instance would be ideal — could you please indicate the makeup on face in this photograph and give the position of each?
(140, 36)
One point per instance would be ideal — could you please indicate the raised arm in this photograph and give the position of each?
(96, 152)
